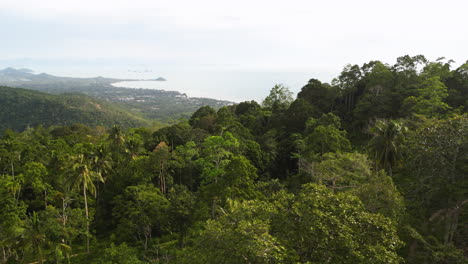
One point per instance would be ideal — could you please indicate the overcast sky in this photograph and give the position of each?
(286, 35)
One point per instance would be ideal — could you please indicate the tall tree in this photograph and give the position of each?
(386, 143)
(279, 98)
(117, 140)
(434, 179)
(35, 238)
(83, 178)
(319, 226)
(321, 95)
(139, 212)
(324, 135)
(240, 235)
(429, 98)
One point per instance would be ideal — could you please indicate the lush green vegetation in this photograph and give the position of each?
(369, 169)
(20, 108)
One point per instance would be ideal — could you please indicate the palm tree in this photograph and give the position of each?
(161, 156)
(101, 163)
(117, 138)
(83, 178)
(385, 145)
(117, 142)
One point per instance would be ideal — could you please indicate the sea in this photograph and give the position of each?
(235, 86)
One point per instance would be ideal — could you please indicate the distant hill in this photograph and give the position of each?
(17, 76)
(20, 108)
(152, 104)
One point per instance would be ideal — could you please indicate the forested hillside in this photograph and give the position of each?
(21, 108)
(371, 168)
(160, 105)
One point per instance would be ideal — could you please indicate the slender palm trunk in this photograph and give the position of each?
(375, 161)
(213, 208)
(87, 216)
(387, 162)
(45, 198)
(41, 257)
(162, 179)
(4, 255)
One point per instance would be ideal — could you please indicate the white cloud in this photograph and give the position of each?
(250, 33)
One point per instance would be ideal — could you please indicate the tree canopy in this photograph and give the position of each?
(371, 168)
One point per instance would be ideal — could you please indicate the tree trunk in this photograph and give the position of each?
(412, 250)
(213, 208)
(454, 226)
(4, 255)
(181, 239)
(448, 225)
(386, 159)
(162, 179)
(45, 198)
(39, 251)
(64, 215)
(12, 170)
(375, 161)
(87, 216)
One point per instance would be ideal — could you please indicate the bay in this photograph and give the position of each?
(236, 86)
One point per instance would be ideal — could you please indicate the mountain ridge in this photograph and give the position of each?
(11, 74)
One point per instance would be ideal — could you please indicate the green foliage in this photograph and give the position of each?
(435, 182)
(139, 212)
(240, 235)
(279, 98)
(34, 176)
(181, 211)
(160, 105)
(287, 182)
(12, 221)
(238, 181)
(457, 85)
(386, 143)
(318, 226)
(326, 136)
(430, 98)
(343, 170)
(204, 118)
(218, 150)
(380, 195)
(121, 254)
(22, 108)
(376, 100)
(352, 173)
(297, 115)
(321, 95)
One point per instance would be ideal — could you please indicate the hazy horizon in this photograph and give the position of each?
(288, 42)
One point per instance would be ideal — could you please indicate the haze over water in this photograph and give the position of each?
(236, 86)
(224, 83)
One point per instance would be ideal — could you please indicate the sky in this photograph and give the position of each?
(313, 38)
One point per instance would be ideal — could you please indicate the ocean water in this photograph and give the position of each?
(236, 86)
(222, 83)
